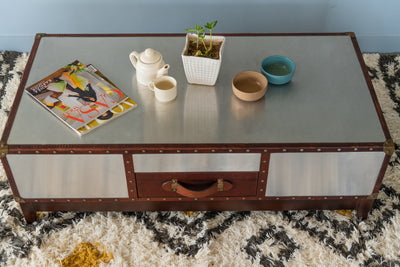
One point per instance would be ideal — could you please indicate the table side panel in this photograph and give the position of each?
(69, 176)
(327, 174)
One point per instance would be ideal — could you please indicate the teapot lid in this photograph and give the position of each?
(150, 56)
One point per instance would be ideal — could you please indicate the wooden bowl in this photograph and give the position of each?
(249, 85)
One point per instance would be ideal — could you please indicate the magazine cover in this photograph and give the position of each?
(81, 96)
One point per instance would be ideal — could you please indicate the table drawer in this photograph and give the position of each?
(196, 184)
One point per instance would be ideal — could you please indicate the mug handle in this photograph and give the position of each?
(151, 86)
(134, 56)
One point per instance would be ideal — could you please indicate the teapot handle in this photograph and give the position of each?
(134, 56)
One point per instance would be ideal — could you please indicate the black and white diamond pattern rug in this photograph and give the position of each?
(256, 238)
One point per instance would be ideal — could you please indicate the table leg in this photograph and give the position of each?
(364, 206)
(29, 212)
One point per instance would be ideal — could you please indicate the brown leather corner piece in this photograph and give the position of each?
(388, 147)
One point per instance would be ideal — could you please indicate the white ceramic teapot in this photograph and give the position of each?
(149, 65)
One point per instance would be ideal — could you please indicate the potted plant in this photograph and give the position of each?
(202, 54)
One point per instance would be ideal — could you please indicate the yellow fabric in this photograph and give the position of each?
(87, 255)
(347, 213)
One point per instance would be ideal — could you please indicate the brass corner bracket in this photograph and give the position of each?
(373, 196)
(351, 34)
(39, 35)
(19, 200)
(388, 147)
(3, 150)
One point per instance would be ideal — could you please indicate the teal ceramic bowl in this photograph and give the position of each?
(278, 69)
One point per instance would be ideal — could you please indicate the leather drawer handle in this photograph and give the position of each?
(175, 186)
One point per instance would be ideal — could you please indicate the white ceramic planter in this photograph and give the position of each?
(201, 70)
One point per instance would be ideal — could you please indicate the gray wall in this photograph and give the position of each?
(375, 22)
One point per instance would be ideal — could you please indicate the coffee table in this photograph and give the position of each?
(318, 142)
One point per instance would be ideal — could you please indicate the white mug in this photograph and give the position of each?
(164, 88)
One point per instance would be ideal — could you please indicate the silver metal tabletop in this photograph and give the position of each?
(327, 100)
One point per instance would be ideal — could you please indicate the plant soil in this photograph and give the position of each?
(213, 53)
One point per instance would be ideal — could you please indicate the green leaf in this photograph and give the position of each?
(190, 30)
(211, 25)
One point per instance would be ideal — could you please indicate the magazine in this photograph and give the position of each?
(81, 97)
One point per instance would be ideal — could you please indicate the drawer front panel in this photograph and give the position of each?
(323, 174)
(151, 184)
(197, 162)
(69, 176)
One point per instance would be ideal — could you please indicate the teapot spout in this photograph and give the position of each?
(163, 71)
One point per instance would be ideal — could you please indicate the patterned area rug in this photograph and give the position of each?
(290, 238)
